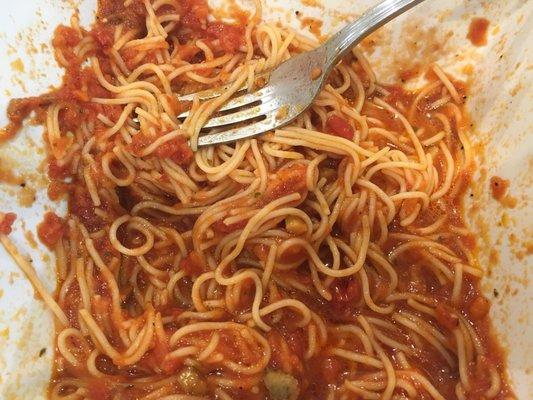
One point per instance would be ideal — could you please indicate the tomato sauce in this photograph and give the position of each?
(192, 264)
(17, 111)
(288, 342)
(115, 12)
(230, 36)
(80, 204)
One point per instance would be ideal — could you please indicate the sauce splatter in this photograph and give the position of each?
(6, 220)
(312, 3)
(499, 188)
(17, 65)
(314, 25)
(477, 31)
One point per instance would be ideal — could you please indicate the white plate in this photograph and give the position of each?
(500, 104)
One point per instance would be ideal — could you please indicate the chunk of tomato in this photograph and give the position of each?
(338, 126)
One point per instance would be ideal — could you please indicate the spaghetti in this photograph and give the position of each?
(325, 260)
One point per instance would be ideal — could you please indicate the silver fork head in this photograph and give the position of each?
(295, 83)
(290, 91)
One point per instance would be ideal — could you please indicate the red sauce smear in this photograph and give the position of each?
(498, 187)
(500, 191)
(477, 31)
(5, 223)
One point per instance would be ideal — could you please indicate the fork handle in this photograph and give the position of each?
(339, 45)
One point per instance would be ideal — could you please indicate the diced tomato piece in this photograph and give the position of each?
(193, 264)
(286, 181)
(6, 222)
(445, 317)
(177, 150)
(230, 36)
(479, 308)
(187, 52)
(129, 55)
(339, 127)
(51, 230)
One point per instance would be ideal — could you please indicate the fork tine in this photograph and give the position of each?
(240, 101)
(243, 115)
(208, 93)
(215, 92)
(234, 134)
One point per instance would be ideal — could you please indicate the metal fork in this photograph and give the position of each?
(293, 85)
